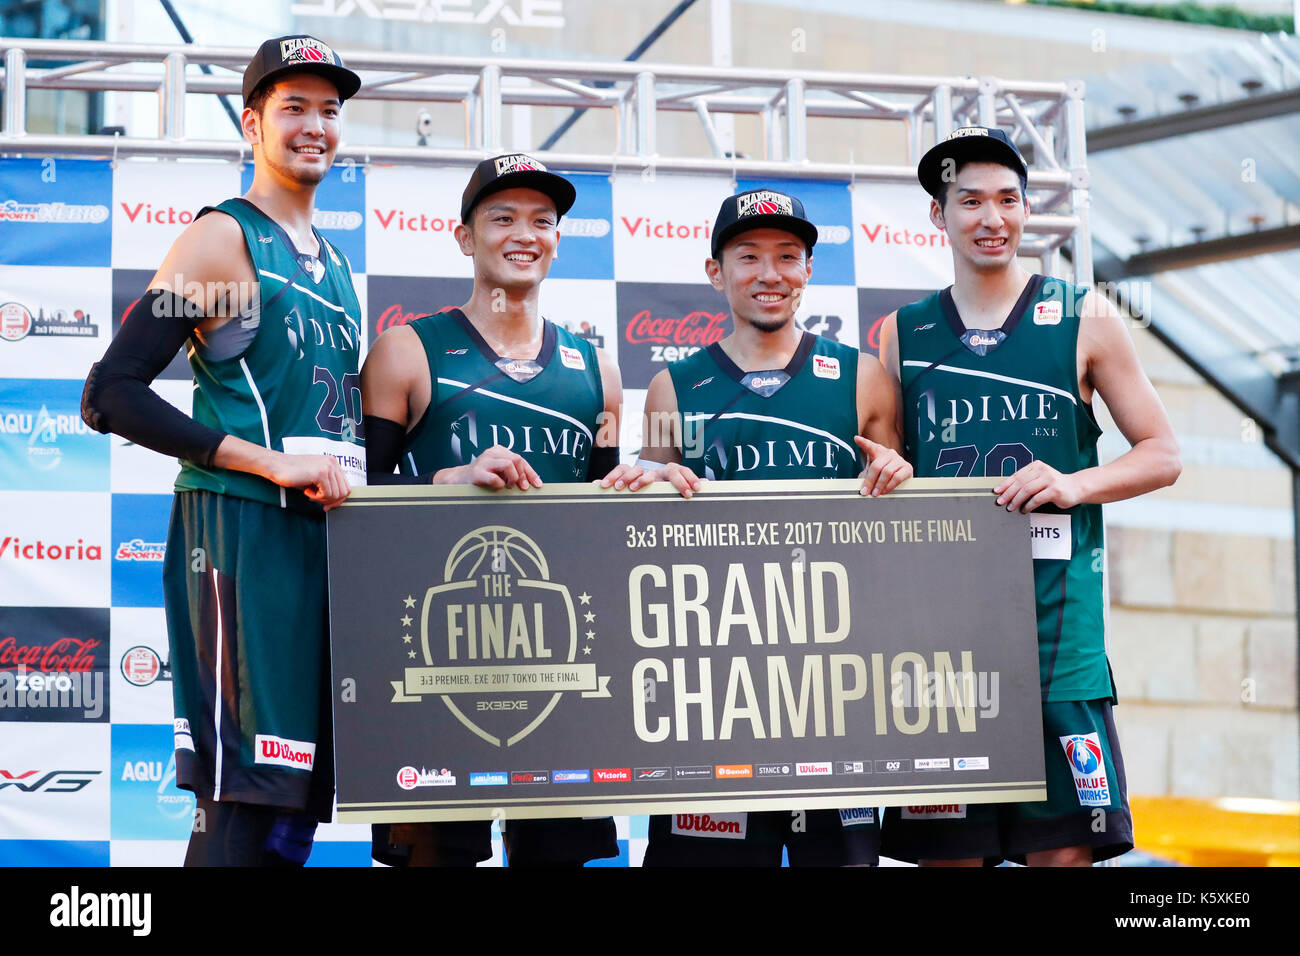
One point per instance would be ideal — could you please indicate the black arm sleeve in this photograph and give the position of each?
(384, 442)
(117, 397)
(603, 460)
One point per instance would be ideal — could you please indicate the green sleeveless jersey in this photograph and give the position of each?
(547, 410)
(294, 387)
(795, 422)
(987, 403)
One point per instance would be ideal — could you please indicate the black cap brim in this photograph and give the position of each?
(965, 149)
(556, 188)
(802, 228)
(344, 80)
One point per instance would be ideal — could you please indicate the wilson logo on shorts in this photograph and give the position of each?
(1083, 751)
(942, 811)
(725, 826)
(280, 752)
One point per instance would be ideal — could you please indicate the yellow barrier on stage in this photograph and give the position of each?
(1224, 831)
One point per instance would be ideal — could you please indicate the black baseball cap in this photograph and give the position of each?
(761, 209)
(515, 171)
(281, 56)
(968, 144)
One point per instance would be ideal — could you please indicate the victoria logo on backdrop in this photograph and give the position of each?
(497, 623)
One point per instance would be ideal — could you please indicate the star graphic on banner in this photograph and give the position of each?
(410, 653)
(591, 635)
(586, 650)
(406, 638)
(406, 620)
(584, 597)
(408, 601)
(589, 617)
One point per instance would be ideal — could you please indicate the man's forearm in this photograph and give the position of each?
(1150, 464)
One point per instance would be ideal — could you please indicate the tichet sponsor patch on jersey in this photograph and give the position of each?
(1047, 313)
(1083, 751)
(1051, 536)
(826, 366)
(572, 358)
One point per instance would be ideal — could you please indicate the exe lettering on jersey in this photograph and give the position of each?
(736, 459)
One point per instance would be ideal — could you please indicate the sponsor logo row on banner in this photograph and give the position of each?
(401, 221)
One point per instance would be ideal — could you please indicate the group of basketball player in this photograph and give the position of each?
(277, 437)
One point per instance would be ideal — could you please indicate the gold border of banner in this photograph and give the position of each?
(733, 490)
(617, 805)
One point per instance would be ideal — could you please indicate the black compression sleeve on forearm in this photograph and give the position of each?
(385, 440)
(117, 397)
(603, 460)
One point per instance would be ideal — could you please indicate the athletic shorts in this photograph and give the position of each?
(809, 837)
(1086, 805)
(563, 842)
(245, 589)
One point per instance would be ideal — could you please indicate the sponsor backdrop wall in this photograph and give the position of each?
(87, 775)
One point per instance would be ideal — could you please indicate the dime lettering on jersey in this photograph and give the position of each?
(800, 689)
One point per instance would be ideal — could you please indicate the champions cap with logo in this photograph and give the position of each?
(761, 209)
(298, 54)
(965, 145)
(515, 171)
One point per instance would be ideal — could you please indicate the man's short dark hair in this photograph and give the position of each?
(257, 101)
(947, 186)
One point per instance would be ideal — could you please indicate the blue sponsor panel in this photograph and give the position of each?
(340, 209)
(53, 853)
(44, 444)
(830, 207)
(138, 543)
(146, 803)
(340, 853)
(55, 212)
(586, 249)
(621, 860)
(490, 778)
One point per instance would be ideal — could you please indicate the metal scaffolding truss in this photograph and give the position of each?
(1046, 119)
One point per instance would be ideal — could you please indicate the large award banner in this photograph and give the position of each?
(578, 652)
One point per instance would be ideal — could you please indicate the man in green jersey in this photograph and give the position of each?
(997, 374)
(494, 394)
(266, 310)
(770, 400)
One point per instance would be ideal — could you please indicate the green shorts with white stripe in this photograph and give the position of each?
(245, 588)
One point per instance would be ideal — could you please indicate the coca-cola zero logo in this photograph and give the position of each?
(69, 655)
